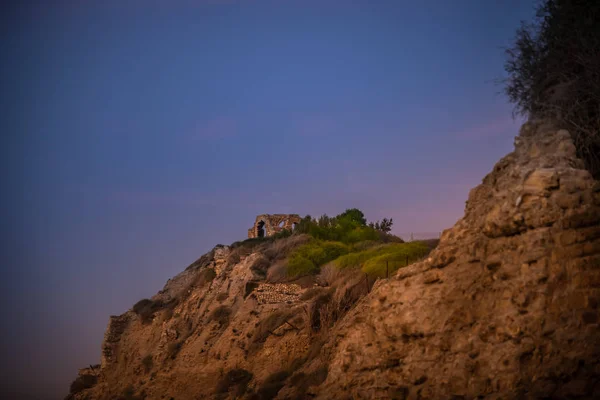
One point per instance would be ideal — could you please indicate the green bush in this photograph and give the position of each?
(307, 258)
(397, 256)
(347, 227)
(374, 260)
(299, 266)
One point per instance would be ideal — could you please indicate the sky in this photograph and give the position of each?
(136, 135)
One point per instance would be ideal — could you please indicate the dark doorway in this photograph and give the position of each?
(260, 229)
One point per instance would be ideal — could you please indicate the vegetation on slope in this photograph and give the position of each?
(349, 241)
(554, 72)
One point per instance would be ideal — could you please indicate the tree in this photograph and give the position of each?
(384, 226)
(554, 72)
(353, 214)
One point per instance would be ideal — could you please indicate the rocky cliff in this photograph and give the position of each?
(505, 307)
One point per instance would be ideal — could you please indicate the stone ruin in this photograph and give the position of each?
(270, 224)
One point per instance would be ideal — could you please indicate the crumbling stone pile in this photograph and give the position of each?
(277, 293)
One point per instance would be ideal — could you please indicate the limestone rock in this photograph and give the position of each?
(515, 316)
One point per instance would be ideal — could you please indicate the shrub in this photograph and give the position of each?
(328, 275)
(234, 257)
(205, 276)
(235, 380)
(307, 258)
(221, 315)
(553, 72)
(375, 260)
(347, 227)
(260, 265)
(331, 304)
(299, 265)
(146, 308)
(312, 292)
(320, 310)
(395, 257)
(83, 382)
(148, 362)
(279, 249)
(277, 272)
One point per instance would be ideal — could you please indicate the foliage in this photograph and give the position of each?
(395, 256)
(384, 226)
(307, 258)
(354, 215)
(373, 260)
(146, 308)
(260, 265)
(83, 382)
(347, 227)
(553, 72)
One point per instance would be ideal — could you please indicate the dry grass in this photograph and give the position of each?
(329, 306)
(329, 275)
(280, 248)
(260, 265)
(312, 292)
(277, 273)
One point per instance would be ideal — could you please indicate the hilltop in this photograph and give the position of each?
(506, 305)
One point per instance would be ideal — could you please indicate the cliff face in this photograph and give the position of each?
(505, 307)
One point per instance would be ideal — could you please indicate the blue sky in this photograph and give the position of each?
(139, 134)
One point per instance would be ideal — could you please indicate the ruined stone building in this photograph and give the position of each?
(269, 224)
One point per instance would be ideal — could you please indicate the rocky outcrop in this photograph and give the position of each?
(505, 307)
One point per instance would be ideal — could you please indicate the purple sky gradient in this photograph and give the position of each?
(136, 135)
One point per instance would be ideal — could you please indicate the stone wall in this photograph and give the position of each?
(270, 224)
